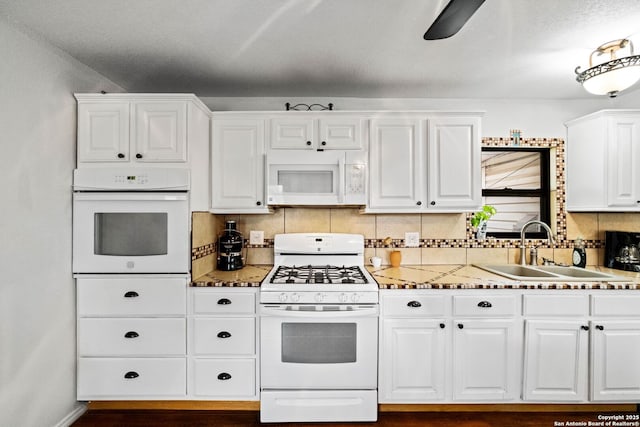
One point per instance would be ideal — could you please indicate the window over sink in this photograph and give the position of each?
(516, 180)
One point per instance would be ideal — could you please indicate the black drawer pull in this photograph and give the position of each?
(120, 156)
(131, 334)
(441, 325)
(460, 326)
(308, 142)
(484, 304)
(584, 328)
(224, 301)
(414, 304)
(224, 334)
(131, 375)
(131, 294)
(600, 327)
(224, 376)
(138, 156)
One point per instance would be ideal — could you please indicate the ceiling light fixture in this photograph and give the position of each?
(614, 75)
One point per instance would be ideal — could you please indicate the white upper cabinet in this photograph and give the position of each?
(395, 160)
(130, 128)
(237, 164)
(422, 162)
(454, 163)
(333, 131)
(603, 157)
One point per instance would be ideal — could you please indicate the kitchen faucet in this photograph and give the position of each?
(534, 255)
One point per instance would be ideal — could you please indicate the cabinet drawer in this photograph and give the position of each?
(414, 305)
(131, 337)
(615, 305)
(485, 305)
(138, 377)
(212, 301)
(222, 336)
(223, 378)
(556, 305)
(131, 297)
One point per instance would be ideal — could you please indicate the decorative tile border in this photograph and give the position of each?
(203, 251)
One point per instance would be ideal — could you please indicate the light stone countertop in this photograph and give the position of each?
(444, 276)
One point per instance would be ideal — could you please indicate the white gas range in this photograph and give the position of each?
(319, 331)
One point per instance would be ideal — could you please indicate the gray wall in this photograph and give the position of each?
(37, 294)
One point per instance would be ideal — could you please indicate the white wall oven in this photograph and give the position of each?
(316, 177)
(319, 331)
(131, 221)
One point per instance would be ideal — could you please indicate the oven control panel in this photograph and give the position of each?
(346, 297)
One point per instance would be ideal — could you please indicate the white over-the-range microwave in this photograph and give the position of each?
(332, 177)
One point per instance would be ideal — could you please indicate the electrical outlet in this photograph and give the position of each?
(412, 240)
(256, 237)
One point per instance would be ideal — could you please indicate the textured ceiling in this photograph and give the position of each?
(353, 48)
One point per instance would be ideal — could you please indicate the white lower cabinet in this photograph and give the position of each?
(493, 346)
(131, 338)
(222, 346)
(615, 348)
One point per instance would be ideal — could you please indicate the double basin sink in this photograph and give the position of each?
(549, 273)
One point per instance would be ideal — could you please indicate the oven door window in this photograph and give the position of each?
(130, 233)
(319, 342)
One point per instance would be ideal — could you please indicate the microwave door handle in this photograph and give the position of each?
(341, 179)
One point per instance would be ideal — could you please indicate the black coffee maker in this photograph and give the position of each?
(622, 250)
(230, 246)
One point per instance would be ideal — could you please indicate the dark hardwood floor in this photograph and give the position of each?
(199, 418)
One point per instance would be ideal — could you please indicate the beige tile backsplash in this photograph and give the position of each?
(440, 230)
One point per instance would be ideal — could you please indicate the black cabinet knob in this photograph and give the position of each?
(224, 334)
(433, 203)
(484, 304)
(258, 203)
(138, 156)
(131, 375)
(414, 304)
(600, 327)
(131, 334)
(584, 328)
(131, 294)
(460, 326)
(323, 143)
(441, 325)
(418, 203)
(224, 301)
(120, 155)
(308, 142)
(224, 376)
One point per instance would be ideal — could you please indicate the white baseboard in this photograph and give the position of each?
(72, 416)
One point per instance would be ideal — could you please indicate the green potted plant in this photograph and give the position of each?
(479, 220)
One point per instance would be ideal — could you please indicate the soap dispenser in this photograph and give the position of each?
(579, 254)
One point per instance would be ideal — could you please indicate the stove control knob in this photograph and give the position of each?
(355, 297)
(295, 298)
(319, 297)
(282, 297)
(343, 297)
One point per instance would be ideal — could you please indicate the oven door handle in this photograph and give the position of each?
(281, 312)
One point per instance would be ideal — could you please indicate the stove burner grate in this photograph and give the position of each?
(319, 274)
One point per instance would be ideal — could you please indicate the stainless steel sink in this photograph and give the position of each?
(549, 273)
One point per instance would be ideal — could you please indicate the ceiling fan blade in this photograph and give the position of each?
(452, 18)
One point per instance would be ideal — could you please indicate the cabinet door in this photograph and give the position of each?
(103, 132)
(292, 133)
(412, 360)
(237, 165)
(487, 356)
(396, 167)
(555, 360)
(624, 160)
(160, 132)
(340, 133)
(454, 163)
(615, 352)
